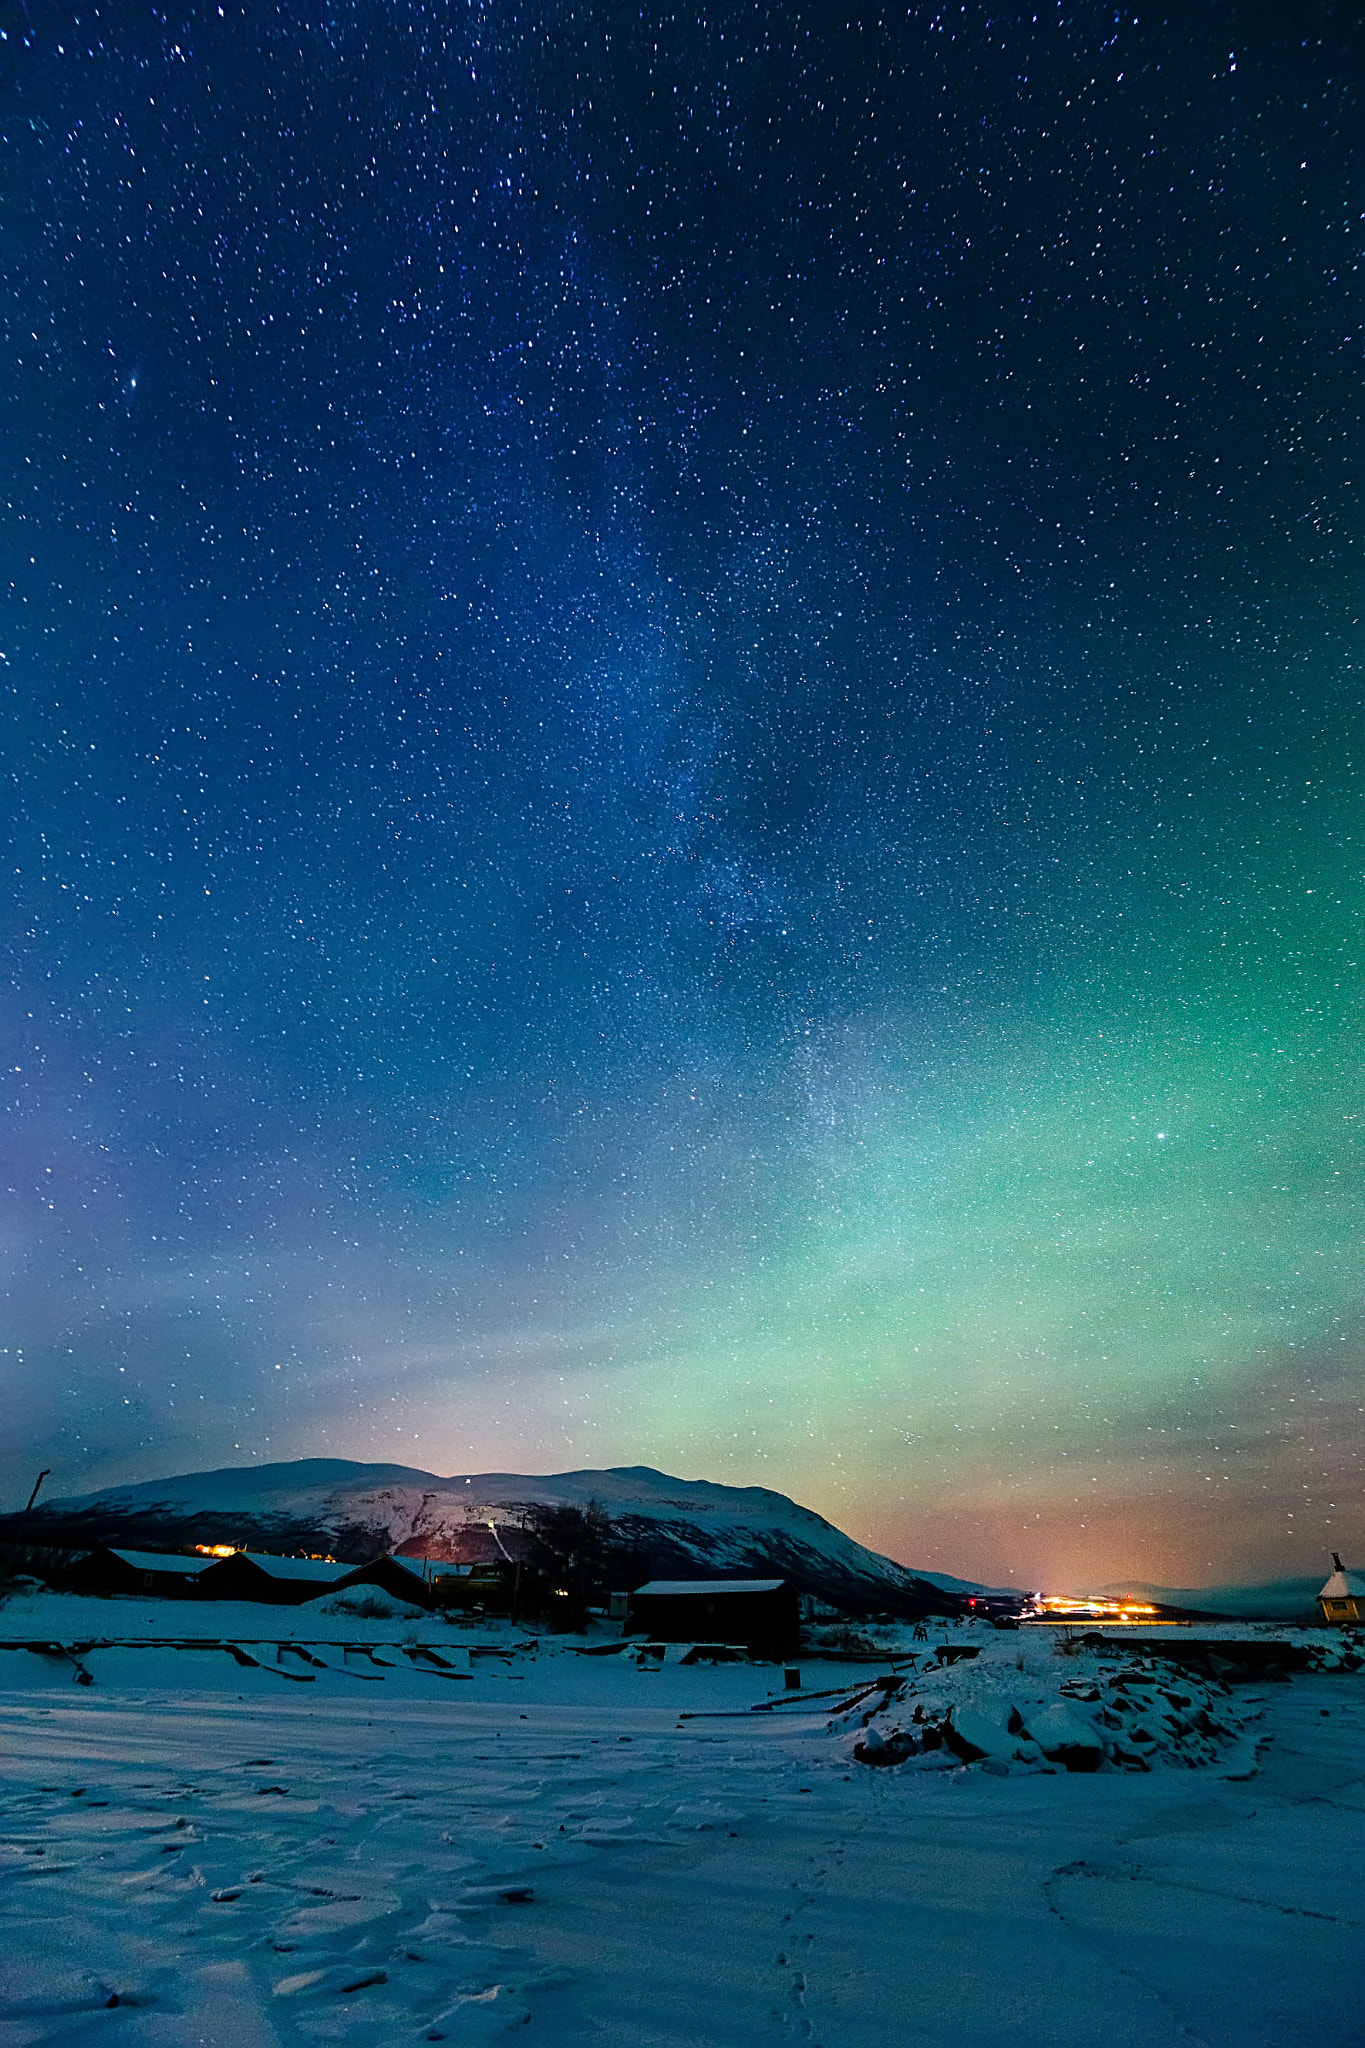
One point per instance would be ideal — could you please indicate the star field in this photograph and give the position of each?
(681, 698)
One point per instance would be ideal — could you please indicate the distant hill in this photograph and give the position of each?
(1277, 1600)
(657, 1526)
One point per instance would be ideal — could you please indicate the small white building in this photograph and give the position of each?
(1342, 1599)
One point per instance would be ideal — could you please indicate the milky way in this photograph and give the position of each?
(681, 697)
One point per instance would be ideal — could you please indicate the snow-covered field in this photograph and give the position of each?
(446, 1832)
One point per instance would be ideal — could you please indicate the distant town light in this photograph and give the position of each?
(1069, 1607)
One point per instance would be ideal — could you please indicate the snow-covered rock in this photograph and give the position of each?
(974, 1732)
(999, 1709)
(1066, 1737)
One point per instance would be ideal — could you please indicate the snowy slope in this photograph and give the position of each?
(660, 1526)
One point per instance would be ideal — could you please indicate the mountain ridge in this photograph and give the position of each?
(658, 1525)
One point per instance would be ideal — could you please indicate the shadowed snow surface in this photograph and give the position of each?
(528, 1844)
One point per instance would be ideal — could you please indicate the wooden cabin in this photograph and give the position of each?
(285, 1581)
(761, 1613)
(1342, 1599)
(430, 1582)
(167, 1575)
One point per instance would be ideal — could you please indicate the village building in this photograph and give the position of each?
(287, 1581)
(165, 1574)
(429, 1582)
(761, 1613)
(1342, 1599)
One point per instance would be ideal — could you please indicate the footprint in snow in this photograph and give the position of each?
(490, 2015)
(339, 1981)
(704, 1814)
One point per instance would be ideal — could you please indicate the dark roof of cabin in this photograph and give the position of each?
(319, 1569)
(163, 1561)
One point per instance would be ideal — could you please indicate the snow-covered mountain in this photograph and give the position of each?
(658, 1526)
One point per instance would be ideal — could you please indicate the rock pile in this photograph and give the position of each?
(1139, 1716)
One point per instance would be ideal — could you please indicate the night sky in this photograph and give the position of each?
(682, 721)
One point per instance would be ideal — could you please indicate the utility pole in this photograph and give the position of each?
(516, 1577)
(46, 1473)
